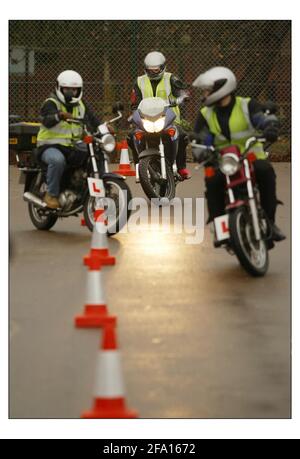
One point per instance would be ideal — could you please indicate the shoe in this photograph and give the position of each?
(184, 174)
(277, 235)
(51, 201)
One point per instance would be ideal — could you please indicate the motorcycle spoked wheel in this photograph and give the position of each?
(253, 255)
(42, 219)
(150, 176)
(115, 203)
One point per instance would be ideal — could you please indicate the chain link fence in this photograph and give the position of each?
(109, 55)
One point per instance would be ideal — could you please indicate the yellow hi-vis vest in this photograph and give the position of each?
(62, 133)
(240, 127)
(163, 90)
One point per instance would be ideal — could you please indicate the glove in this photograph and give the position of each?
(200, 154)
(65, 115)
(195, 136)
(270, 131)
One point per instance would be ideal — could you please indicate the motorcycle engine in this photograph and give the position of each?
(78, 179)
(67, 199)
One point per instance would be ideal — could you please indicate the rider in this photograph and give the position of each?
(156, 82)
(56, 136)
(226, 119)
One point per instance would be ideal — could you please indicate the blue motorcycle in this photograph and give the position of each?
(156, 142)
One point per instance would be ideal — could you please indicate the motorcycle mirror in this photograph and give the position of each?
(270, 106)
(118, 107)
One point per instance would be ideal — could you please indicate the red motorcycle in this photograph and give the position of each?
(244, 229)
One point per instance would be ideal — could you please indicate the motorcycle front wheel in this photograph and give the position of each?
(253, 255)
(115, 204)
(153, 184)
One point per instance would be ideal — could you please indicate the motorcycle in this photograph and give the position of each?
(156, 142)
(85, 184)
(244, 229)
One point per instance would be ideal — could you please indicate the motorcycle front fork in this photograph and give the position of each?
(94, 162)
(252, 202)
(162, 159)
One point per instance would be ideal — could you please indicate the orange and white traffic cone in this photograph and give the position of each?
(99, 245)
(109, 400)
(124, 166)
(95, 310)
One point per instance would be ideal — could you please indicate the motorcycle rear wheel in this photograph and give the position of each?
(253, 255)
(149, 166)
(42, 220)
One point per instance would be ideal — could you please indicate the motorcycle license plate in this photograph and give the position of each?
(96, 187)
(222, 227)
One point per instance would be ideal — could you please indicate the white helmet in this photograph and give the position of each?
(219, 81)
(155, 65)
(74, 84)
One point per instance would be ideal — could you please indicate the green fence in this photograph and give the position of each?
(109, 55)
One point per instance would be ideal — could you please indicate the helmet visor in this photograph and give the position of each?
(155, 72)
(205, 91)
(69, 93)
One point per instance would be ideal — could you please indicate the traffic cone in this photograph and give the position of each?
(99, 245)
(95, 310)
(124, 166)
(82, 222)
(109, 401)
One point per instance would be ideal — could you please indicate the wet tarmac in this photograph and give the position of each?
(199, 337)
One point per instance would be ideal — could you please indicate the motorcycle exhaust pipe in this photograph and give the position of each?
(30, 197)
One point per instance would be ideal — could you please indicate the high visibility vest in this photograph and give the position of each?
(163, 90)
(62, 133)
(240, 127)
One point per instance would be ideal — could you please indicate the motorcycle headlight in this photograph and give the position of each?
(108, 143)
(154, 126)
(229, 164)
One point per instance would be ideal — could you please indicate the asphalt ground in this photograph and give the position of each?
(199, 337)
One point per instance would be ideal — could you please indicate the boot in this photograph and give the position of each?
(184, 174)
(51, 201)
(277, 234)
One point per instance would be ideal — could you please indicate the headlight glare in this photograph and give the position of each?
(154, 126)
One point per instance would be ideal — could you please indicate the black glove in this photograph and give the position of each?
(195, 136)
(270, 131)
(200, 154)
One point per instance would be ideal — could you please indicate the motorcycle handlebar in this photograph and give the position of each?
(178, 101)
(75, 120)
(81, 120)
(208, 152)
(251, 141)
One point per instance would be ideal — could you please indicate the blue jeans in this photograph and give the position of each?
(56, 165)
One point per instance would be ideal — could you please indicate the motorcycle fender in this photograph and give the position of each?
(27, 178)
(109, 175)
(234, 205)
(222, 227)
(149, 152)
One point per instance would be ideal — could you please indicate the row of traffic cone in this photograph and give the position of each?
(124, 166)
(109, 399)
